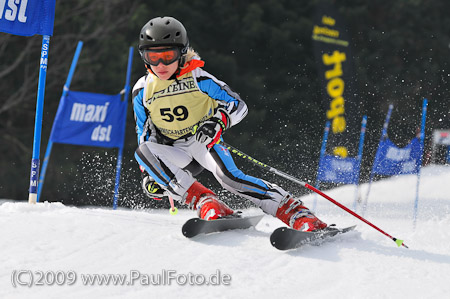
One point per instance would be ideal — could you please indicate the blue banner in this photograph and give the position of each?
(334, 169)
(90, 119)
(392, 160)
(27, 17)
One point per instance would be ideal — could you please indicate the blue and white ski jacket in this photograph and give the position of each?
(168, 110)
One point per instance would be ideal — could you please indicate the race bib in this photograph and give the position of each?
(176, 107)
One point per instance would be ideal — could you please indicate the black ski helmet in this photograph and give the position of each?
(163, 31)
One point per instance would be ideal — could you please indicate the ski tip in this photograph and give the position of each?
(277, 241)
(186, 228)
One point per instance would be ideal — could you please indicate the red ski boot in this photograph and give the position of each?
(297, 216)
(208, 206)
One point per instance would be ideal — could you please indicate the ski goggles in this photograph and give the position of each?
(165, 56)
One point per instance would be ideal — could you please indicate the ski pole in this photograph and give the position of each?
(306, 185)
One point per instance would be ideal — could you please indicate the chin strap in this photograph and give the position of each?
(149, 69)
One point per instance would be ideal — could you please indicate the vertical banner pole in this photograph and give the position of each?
(117, 183)
(383, 135)
(32, 195)
(48, 152)
(50, 142)
(422, 140)
(322, 153)
(119, 157)
(359, 158)
(448, 154)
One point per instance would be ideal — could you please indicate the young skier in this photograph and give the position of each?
(181, 112)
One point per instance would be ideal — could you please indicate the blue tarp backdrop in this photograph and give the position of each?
(392, 160)
(90, 119)
(27, 18)
(339, 170)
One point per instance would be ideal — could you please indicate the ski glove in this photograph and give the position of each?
(151, 188)
(210, 131)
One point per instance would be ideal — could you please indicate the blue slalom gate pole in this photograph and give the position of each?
(117, 183)
(322, 153)
(383, 135)
(119, 157)
(35, 161)
(422, 140)
(50, 142)
(359, 157)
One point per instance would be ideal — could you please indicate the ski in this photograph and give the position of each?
(197, 226)
(284, 238)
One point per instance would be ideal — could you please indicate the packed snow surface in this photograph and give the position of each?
(50, 250)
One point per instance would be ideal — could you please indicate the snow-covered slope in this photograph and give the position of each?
(64, 242)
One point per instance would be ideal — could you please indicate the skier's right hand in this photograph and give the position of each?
(151, 188)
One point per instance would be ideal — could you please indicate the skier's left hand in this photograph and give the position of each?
(210, 131)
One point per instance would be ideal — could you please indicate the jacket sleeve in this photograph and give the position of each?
(221, 92)
(140, 113)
